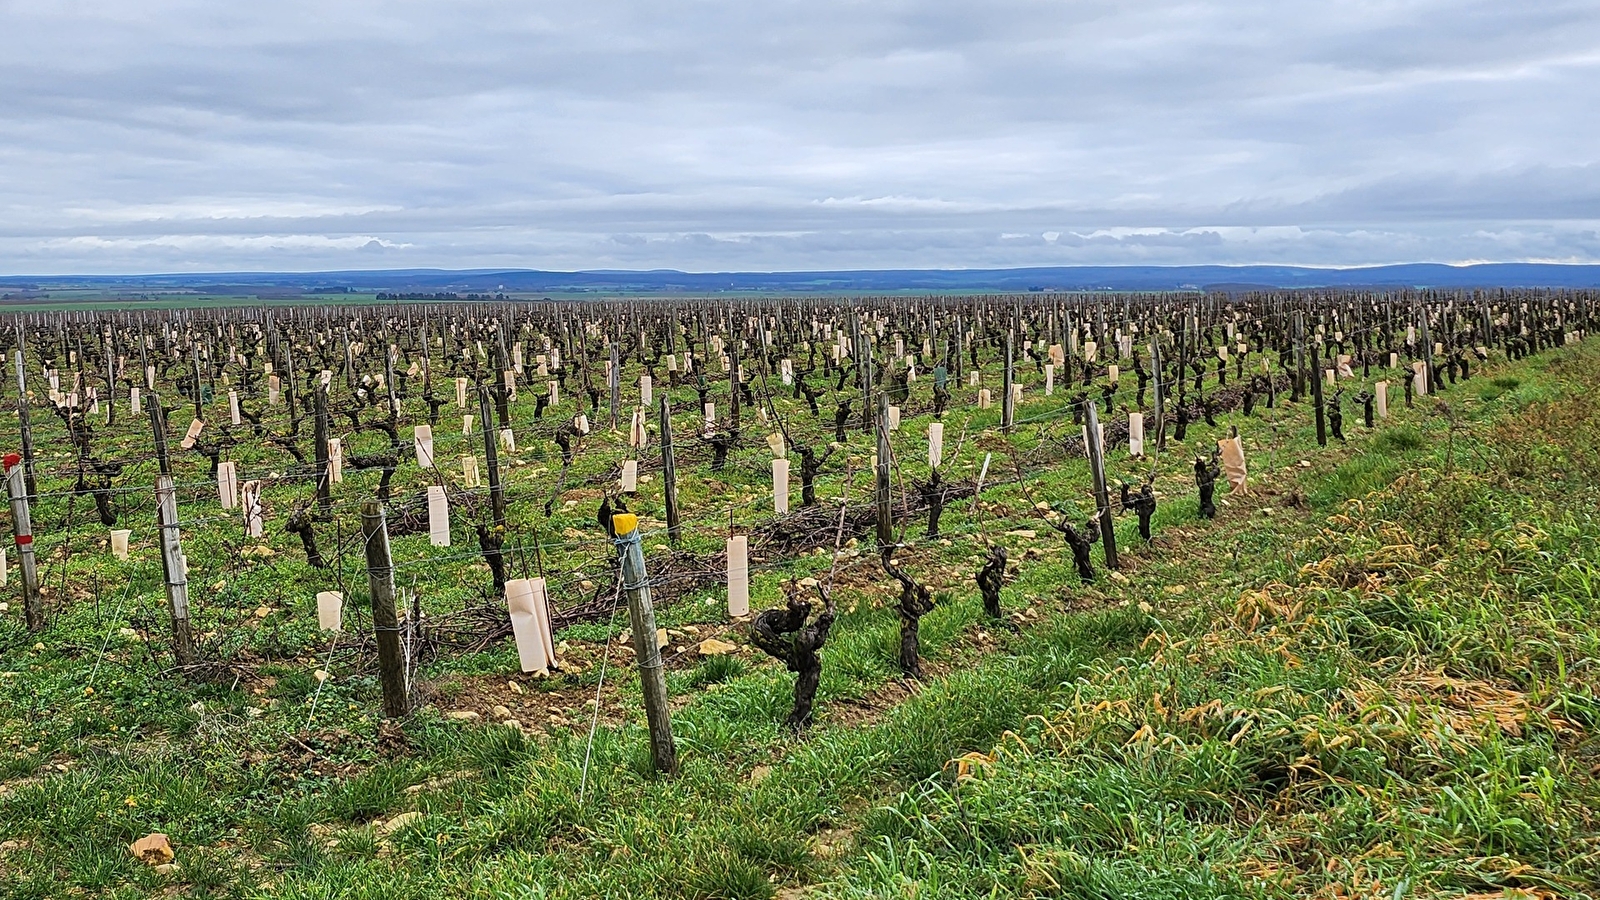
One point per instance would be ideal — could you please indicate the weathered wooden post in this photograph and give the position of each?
(319, 399)
(1427, 346)
(866, 362)
(1160, 392)
(881, 484)
(175, 570)
(388, 381)
(289, 390)
(614, 383)
(111, 376)
(652, 678)
(22, 524)
(1299, 344)
(349, 361)
(1102, 497)
(1316, 394)
(491, 453)
(385, 622)
(194, 359)
(733, 378)
(669, 470)
(22, 421)
(1008, 409)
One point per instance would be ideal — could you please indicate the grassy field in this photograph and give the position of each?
(1374, 675)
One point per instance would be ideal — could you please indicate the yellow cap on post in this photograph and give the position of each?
(624, 523)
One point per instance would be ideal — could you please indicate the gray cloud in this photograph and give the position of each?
(145, 136)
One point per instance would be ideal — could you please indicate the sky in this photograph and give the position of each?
(145, 136)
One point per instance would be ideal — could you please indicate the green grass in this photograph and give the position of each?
(1384, 689)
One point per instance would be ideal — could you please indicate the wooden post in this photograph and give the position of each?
(652, 679)
(669, 470)
(1183, 361)
(491, 453)
(1299, 358)
(22, 422)
(111, 377)
(867, 355)
(174, 569)
(1161, 392)
(881, 486)
(1316, 395)
(194, 358)
(614, 383)
(319, 398)
(1427, 346)
(1102, 498)
(733, 378)
(158, 425)
(289, 392)
(22, 524)
(385, 623)
(1008, 409)
(349, 362)
(388, 381)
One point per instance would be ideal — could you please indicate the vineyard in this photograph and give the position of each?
(729, 598)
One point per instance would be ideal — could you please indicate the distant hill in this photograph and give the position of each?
(1062, 278)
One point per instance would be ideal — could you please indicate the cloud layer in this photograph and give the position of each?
(157, 135)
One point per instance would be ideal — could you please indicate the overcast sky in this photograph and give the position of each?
(147, 136)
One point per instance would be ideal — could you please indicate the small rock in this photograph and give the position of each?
(167, 869)
(1119, 578)
(714, 647)
(1175, 589)
(262, 612)
(513, 687)
(400, 821)
(662, 638)
(500, 712)
(152, 849)
(462, 715)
